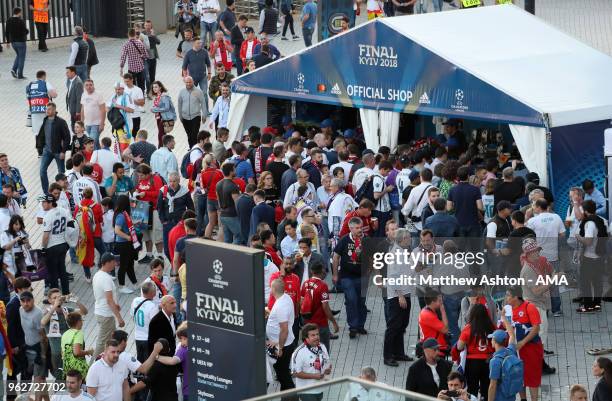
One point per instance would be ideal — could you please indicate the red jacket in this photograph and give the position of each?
(97, 212)
(151, 192)
(243, 51)
(224, 56)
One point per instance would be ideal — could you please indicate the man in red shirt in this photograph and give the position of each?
(209, 178)
(147, 190)
(526, 320)
(316, 290)
(364, 212)
(178, 231)
(268, 240)
(430, 324)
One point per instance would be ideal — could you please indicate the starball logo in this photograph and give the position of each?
(217, 280)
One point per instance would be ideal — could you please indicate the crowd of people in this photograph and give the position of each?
(312, 199)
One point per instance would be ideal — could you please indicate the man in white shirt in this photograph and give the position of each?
(93, 112)
(54, 242)
(289, 244)
(137, 97)
(279, 333)
(74, 381)
(106, 308)
(344, 164)
(339, 205)
(310, 197)
(417, 201)
(142, 310)
(382, 211)
(86, 182)
(357, 392)
(157, 278)
(549, 228)
(310, 362)
(105, 157)
(208, 10)
(361, 175)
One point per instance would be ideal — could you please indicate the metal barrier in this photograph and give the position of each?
(61, 19)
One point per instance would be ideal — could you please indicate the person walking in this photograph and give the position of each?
(93, 112)
(287, 9)
(55, 222)
(165, 115)
(221, 77)
(237, 36)
(106, 307)
(221, 108)
(74, 92)
(280, 336)
(163, 160)
(153, 54)
(79, 51)
(52, 143)
(173, 200)
(192, 109)
(134, 53)
(268, 18)
(92, 54)
(126, 243)
(196, 64)
(136, 95)
(38, 94)
(17, 35)
(208, 10)
(310, 362)
(221, 51)
(40, 13)
(121, 101)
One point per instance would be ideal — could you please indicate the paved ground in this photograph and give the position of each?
(591, 22)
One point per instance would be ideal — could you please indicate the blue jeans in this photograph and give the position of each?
(201, 213)
(207, 28)
(231, 230)
(45, 160)
(93, 131)
(452, 305)
(356, 311)
(20, 55)
(437, 5)
(176, 293)
(307, 33)
(81, 71)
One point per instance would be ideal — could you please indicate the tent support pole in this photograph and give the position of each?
(550, 183)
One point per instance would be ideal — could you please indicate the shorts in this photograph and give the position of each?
(38, 365)
(155, 234)
(212, 205)
(532, 355)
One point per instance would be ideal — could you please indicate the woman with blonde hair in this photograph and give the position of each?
(266, 183)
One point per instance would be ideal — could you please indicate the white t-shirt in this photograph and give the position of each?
(402, 180)
(108, 380)
(282, 311)
(67, 397)
(143, 317)
(54, 324)
(488, 203)
(54, 223)
(63, 202)
(72, 176)
(158, 294)
(269, 269)
(361, 176)
(5, 218)
(5, 238)
(91, 107)
(305, 360)
(357, 392)
(205, 16)
(383, 204)
(135, 94)
(195, 153)
(547, 227)
(82, 183)
(106, 158)
(574, 226)
(108, 232)
(102, 283)
(341, 204)
(435, 374)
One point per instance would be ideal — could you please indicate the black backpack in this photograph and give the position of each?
(115, 118)
(366, 191)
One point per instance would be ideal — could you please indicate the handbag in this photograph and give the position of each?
(71, 362)
(168, 126)
(40, 266)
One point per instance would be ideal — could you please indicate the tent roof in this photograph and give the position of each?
(494, 63)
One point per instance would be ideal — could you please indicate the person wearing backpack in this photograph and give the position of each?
(505, 367)
(526, 320)
(593, 237)
(413, 208)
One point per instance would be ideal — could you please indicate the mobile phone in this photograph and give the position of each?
(452, 393)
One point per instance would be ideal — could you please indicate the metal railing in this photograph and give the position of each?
(346, 388)
(61, 19)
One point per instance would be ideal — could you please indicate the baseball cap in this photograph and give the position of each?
(413, 175)
(431, 343)
(349, 133)
(367, 152)
(26, 295)
(530, 245)
(504, 205)
(499, 336)
(327, 123)
(533, 177)
(106, 257)
(48, 198)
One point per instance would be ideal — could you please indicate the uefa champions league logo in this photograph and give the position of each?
(217, 266)
(459, 95)
(300, 84)
(458, 104)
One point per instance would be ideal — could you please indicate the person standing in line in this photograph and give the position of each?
(173, 200)
(52, 142)
(310, 362)
(208, 10)
(106, 307)
(135, 53)
(40, 13)
(227, 194)
(142, 310)
(192, 109)
(79, 51)
(74, 92)
(17, 35)
(93, 112)
(279, 333)
(237, 36)
(309, 20)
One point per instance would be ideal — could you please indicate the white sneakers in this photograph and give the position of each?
(126, 290)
